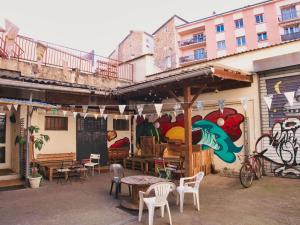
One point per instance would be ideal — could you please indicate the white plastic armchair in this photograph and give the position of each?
(190, 185)
(161, 190)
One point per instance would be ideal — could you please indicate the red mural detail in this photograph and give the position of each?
(232, 121)
(124, 142)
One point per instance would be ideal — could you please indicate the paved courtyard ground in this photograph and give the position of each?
(270, 201)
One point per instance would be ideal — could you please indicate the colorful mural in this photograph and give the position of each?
(121, 143)
(282, 146)
(216, 130)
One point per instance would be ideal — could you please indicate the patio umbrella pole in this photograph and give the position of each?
(28, 124)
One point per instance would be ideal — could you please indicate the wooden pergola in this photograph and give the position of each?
(189, 83)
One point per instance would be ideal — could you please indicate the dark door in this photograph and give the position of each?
(91, 138)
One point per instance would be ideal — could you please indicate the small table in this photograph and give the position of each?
(138, 183)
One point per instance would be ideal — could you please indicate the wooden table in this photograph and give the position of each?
(138, 183)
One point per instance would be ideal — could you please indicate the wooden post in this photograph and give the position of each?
(188, 131)
(28, 124)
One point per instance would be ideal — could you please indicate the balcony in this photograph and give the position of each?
(25, 49)
(289, 16)
(193, 42)
(192, 58)
(291, 36)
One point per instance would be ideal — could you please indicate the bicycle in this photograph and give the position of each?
(251, 168)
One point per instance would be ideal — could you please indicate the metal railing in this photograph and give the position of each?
(289, 16)
(191, 58)
(53, 55)
(291, 36)
(191, 41)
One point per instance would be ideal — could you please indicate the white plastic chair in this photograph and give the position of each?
(190, 187)
(161, 190)
(92, 164)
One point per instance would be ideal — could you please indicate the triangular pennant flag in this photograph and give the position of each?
(74, 114)
(102, 108)
(135, 117)
(268, 99)
(140, 109)
(221, 104)
(85, 115)
(8, 107)
(290, 97)
(158, 108)
(16, 106)
(84, 108)
(96, 115)
(244, 102)
(64, 112)
(199, 105)
(126, 117)
(144, 116)
(105, 116)
(122, 108)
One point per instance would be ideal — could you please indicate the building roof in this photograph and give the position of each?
(224, 13)
(175, 16)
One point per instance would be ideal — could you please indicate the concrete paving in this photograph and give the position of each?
(270, 201)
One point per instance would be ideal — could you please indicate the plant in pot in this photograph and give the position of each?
(38, 141)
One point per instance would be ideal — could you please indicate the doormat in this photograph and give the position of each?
(12, 188)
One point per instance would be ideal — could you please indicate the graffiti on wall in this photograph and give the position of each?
(216, 130)
(121, 143)
(282, 146)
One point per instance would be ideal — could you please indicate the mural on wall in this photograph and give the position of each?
(121, 143)
(216, 130)
(282, 146)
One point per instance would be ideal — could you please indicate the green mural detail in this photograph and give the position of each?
(216, 138)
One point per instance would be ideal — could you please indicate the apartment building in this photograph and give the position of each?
(246, 28)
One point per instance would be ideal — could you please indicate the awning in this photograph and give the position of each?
(8, 101)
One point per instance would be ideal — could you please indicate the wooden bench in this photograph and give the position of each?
(48, 163)
(117, 154)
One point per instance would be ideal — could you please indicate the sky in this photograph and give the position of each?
(101, 24)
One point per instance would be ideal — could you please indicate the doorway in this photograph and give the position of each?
(91, 138)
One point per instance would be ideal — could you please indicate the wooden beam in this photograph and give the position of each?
(231, 75)
(174, 96)
(188, 131)
(199, 91)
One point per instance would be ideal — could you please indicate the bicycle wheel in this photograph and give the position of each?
(258, 168)
(246, 175)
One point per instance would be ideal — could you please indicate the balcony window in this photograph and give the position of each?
(259, 18)
(220, 28)
(262, 36)
(241, 41)
(239, 23)
(199, 54)
(198, 38)
(291, 30)
(288, 13)
(221, 45)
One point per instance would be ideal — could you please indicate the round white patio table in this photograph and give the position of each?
(138, 183)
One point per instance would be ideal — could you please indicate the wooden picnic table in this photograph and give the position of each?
(138, 183)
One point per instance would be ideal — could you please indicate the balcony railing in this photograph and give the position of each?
(29, 50)
(191, 41)
(289, 16)
(291, 36)
(193, 58)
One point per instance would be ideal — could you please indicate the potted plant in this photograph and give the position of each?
(38, 142)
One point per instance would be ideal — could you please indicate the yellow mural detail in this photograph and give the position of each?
(176, 133)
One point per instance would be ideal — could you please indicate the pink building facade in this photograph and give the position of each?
(243, 29)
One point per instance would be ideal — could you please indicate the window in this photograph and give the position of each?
(56, 123)
(241, 41)
(2, 127)
(198, 38)
(168, 62)
(262, 36)
(221, 45)
(121, 124)
(288, 13)
(291, 30)
(239, 23)
(199, 54)
(220, 28)
(259, 18)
